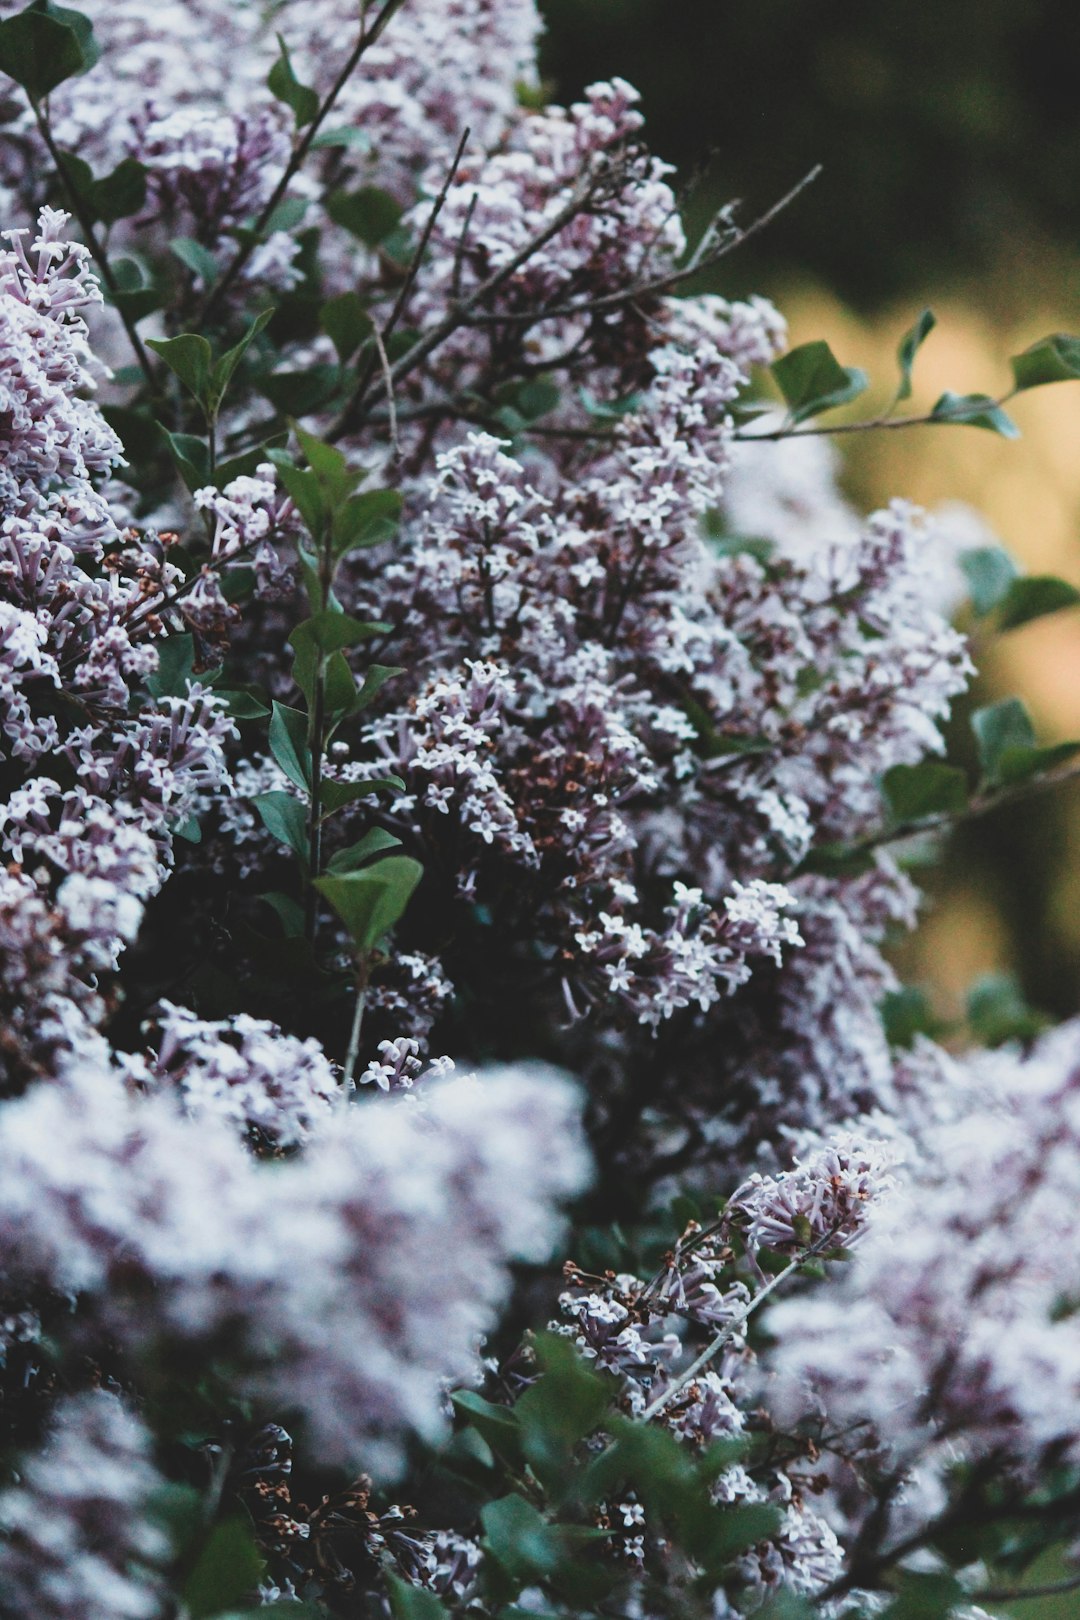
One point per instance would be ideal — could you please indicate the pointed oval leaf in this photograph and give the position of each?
(371, 901)
(812, 380)
(975, 410)
(1052, 359)
(910, 344)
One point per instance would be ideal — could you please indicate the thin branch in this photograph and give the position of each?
(97, 250)
(659, 284)
(1018, 1594)
(724, 1336)
(459, 251)
(391, 405)
(458, 316)
(367, 38)
(873, 424)
(981, 805)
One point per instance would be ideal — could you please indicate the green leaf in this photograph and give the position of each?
(371, 901)
(369, 213)
(408, 1602)
(227, 1570)
(974, 410)
(812, 380)
(1019, 762)
(285, 86)
(566, 1403)
(375, 678)
(296, 393)
(304, 490)
(285, 818)
(368, 519)
(910, 344)
(998, 728)
(519, 1538)
(906, 1013)
(989, 571)
(189, 358)
(317, 638)
(44, 45)
(188, 829)
(498, 1426)
(134, 296)
(1032, 596)
(288, 744)
(347, 136)
(346, 323)
(335, 795)
(998, 1011)
(1052, 359)
(289, 912)
(121, 193)
(375, 842)
(926, 789)
(925, 1596)
(196, 258)
(176, 662)
(226, 366)
(191, 455)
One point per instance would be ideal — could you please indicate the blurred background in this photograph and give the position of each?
(949, 132)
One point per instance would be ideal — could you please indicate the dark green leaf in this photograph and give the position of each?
(189, 358)
(192, 457)
(44, 45)
(369, 213)
(498, 1426)
(285, 818)
(926, 1596)
(304, 490)
(289, 912)
(566, 1403)
(371, 901)
(335, 795)
(1052, 359)
(1032, 596)
(375, 842)
(285, 86)
(522, 1541)
(134, 296)
(296, 393)
(196, 258)
(223, 371)
(812, 380)
(121, 193)
(408, 1602)
(975, 410)
(226, 1572)
(366, 520)
(998, 727)
(989, 572)
(375, 678)
(910, 344)
(176, 662)
(289, 746)
(998, 1011)
(926, 789)
(1020, 761)
(346, 323)
(188, 829)
(906, 1013)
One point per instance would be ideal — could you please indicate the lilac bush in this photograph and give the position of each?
(461, 757)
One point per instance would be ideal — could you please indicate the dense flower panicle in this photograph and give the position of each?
(272, 1086)
(172, 1232)
(825, 1200)
(953, 1333)
(76, 1539)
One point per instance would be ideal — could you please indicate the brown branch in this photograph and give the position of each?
(659, 284)
(873, 424)
(582, 197)
(366, 39)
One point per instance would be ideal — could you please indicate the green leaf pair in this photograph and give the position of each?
(44, 45)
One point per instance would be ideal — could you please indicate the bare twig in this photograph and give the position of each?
(459, 251)
(366, 39)
(580, 199)
(659, 284)
(391, 406)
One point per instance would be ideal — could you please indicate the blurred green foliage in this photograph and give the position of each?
(945, 127)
